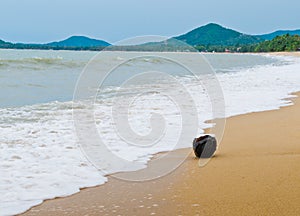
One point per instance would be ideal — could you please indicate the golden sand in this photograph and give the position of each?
(295, 54)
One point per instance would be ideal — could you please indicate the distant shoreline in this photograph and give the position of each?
(282, 53)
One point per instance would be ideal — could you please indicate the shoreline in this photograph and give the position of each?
(257, 177)
(283, 53)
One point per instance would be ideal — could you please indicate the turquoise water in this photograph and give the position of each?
(37, 76)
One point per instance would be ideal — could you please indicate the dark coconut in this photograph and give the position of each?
(205, 146)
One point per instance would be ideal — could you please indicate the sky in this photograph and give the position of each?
(41, 21)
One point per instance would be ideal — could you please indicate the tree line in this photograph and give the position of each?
(278, 44)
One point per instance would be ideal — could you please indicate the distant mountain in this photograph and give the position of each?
(211, 37)
(279, 33)
(169, 45)
(72, 43)
(79, 41)
(4, 44)
(214, 34)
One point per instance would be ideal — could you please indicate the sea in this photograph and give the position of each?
(41, 156)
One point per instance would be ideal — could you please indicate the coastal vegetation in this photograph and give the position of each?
(282, 43)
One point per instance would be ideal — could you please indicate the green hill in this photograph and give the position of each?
(214, 34)
(79, 41)
(72, 43)
(2, 42)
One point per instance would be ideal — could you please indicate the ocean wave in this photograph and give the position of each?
(2, 64)
(35, 62)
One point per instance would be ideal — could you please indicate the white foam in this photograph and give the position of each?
(260, 89)
(39, 153)
(39, 157)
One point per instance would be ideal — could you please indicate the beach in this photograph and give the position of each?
(295, 54)
(254, 172)
(47, 169)
(108, 120)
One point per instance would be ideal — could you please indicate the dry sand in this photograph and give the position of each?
(295, 54)
(256, 171)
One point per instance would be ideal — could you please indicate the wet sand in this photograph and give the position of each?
(256, 171)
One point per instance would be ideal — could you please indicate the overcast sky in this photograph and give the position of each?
(112, 20)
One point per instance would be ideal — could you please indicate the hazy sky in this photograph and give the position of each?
(112, 20)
